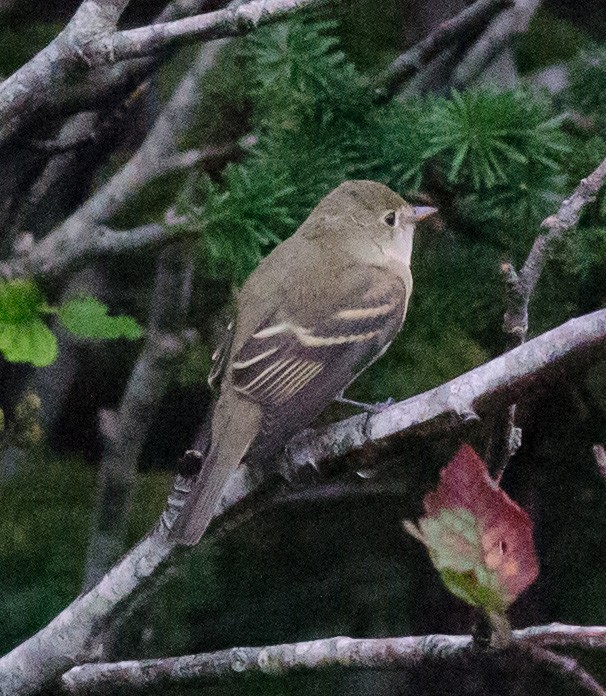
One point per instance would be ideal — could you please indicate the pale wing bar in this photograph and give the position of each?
(281, 358)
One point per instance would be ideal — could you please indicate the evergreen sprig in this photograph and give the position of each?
(237, 221)
(500, 153)
(311, 112)
(481, 136)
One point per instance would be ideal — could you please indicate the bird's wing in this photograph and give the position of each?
(220, 357)
(283, 360)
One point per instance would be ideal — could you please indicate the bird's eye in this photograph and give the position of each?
(390, 218)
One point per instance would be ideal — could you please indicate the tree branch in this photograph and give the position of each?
(125, 430)
(90, 39)
(522, 285)
(69, 639)
(519, 290)
(490, 44)
(456, 30)
(500, 381)
(349, 653)
(135, 43)
(566, 667)
(98, 242)
(27, 90)
(82, 236)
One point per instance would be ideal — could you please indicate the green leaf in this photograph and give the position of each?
(24, 337)
(86, 317)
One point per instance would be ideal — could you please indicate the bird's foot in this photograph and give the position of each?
(369, 408)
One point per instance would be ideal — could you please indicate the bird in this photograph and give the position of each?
(316, 312)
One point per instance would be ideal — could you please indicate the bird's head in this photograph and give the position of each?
(372, 220)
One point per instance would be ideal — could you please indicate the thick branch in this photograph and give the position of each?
(28, 89)
(456, 30)
(69, 638)
(348, 653)
(90, 39)
(135, 43)
(502, 380)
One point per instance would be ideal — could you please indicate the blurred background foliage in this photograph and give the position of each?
(299, 98)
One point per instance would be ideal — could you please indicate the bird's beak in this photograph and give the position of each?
(423, 211)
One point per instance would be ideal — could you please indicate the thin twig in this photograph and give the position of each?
(101, 242)
(520, 286)
(348, 653)
(567, 667)
(456, 30)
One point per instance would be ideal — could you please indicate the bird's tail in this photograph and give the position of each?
(235, 427)
(202, 501)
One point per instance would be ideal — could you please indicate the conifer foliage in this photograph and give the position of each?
(495, 162)
(500, 153)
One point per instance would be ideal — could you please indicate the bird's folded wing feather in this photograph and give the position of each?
(220, 357)
(282, 357)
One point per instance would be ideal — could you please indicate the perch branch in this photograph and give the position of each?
(501, 381)
(68, 639)
(349, 653)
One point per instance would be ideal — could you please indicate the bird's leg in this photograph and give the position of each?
(369, 408)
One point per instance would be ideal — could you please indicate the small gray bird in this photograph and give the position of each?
(323, 306)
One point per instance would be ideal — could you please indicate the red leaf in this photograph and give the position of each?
(492, 541)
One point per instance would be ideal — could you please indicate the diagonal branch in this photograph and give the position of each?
(566, 667)
(454, 31)
(125, 429)
(520, 286)
(501, 381)
(498, 36)
(349, 653)
(69, 638)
